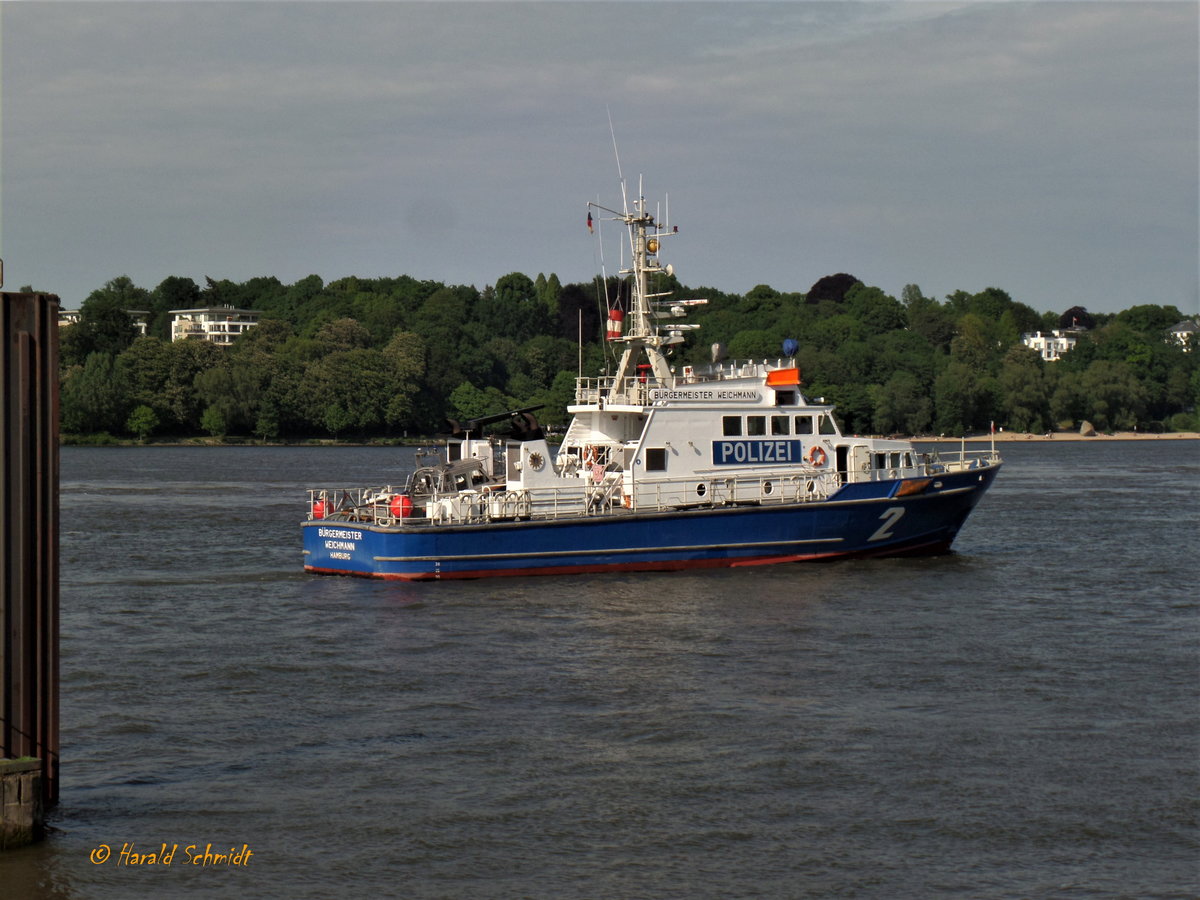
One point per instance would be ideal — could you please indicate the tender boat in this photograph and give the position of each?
(728, 464)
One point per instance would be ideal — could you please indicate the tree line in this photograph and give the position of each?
(389, 357)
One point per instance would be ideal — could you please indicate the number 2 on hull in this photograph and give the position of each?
(890, 517)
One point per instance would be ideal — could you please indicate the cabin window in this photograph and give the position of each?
(895, 460)
(756, 425)
(731, 426)
(656, 459)
(453, 452)
(779, 425)
(804, 425)
(881, 460)
(908, 460)
(785, 398)
(827, 425)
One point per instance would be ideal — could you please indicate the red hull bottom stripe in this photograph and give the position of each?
(666, 565)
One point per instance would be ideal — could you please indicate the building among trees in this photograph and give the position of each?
(139, 317)
(1185, 334)
(215, 324)
(1051, 345)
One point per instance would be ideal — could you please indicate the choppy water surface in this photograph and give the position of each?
(1016, 719)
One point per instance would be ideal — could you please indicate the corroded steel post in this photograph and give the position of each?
(29, 534)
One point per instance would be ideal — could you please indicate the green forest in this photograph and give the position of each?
(386, 358)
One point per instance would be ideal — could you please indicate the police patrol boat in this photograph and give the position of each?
(728, 464)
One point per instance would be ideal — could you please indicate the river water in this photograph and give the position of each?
(1016, 719)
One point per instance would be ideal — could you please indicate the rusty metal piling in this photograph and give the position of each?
(29, 544)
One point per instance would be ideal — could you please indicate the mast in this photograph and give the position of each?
(643, 337)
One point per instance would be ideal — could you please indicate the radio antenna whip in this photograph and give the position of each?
(620, 175)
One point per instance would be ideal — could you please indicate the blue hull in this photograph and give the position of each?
(913, 516)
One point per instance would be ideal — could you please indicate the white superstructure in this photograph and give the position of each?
(652, 437)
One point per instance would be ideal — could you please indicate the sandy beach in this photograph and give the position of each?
(1005, 436)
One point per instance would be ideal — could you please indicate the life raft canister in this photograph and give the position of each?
(318, 511)
(616, 319)
(401, 506)
(817, 456)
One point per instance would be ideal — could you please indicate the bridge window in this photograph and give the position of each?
(779, 425)
(785, 398)
(656, 459)
(756, 425)
(731, 426)
(804, 425)
(827, 425)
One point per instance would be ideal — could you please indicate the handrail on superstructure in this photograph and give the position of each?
(635, 390)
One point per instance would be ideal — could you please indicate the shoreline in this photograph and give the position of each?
(1003, 437)
(1000, 437)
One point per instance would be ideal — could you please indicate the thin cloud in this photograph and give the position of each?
(952, 145)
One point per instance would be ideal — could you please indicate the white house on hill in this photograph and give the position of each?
(1185, 333)
(139, 318)
(1051, 345)
(216, 324)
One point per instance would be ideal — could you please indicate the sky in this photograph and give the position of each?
(1049, 149)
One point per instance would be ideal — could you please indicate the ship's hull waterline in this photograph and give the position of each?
(858, 522)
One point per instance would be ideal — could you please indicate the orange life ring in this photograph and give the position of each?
(817, 456)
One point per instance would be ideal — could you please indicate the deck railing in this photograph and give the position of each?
(374, 506)
(630, 391)
(636, 390)
(936, 463)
